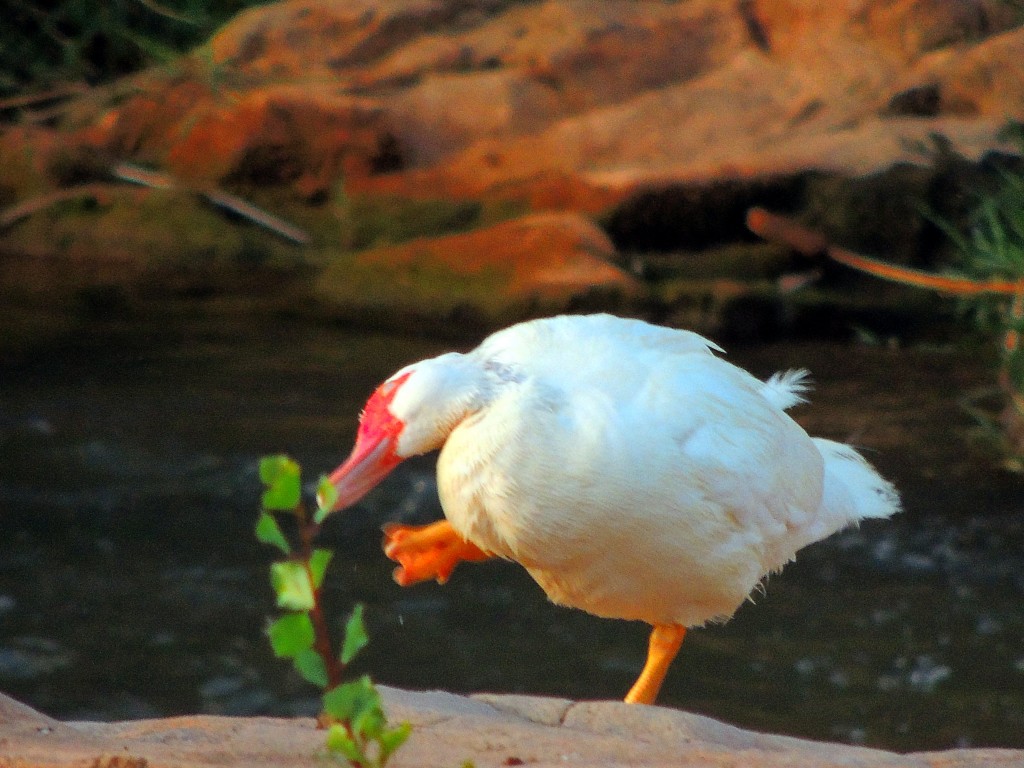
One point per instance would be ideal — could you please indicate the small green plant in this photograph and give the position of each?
(357, 728)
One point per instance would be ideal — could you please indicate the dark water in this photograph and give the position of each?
(131, 585)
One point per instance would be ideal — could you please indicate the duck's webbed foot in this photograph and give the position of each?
(427, 551)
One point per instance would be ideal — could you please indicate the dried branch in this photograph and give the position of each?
(168, 13)
(154, 180)
(782, 229)
(159, 180)
(54, 94)
(97, 191)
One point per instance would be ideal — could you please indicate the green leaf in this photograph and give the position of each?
(370, 723)
(282, 477)
(390, 740)
(318, 562)
(348, 701)
(269, 532)
(290, 580)
(339, 741)
(273, 467)
(291, 634)
(326, 495)
(355, 635)
(310, 665)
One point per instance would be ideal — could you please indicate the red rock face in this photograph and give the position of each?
(495, 274)
(566, 105)
(488, 94)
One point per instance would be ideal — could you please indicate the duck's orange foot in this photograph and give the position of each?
(427, 551)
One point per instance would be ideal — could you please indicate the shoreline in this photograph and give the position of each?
(451, 730)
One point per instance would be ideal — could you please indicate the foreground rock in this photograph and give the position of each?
(449, 730)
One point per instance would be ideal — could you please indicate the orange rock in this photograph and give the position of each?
(983, 81)
(143, 126)
(545, 255)
(279, 135)
(915, 28)
(560, 105)
(544, 262)
(537, 101)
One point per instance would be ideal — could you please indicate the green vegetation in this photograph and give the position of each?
(992, 252)
(46, 45)
(989, 281)
(357, 728)
(377, 221)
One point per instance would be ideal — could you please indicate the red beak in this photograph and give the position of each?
(371, 461)
(374, 455)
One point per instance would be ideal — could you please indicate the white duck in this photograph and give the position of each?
(632, 472)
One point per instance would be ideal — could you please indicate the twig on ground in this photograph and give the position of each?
(12, 215)
(237, 205)
(782, 229)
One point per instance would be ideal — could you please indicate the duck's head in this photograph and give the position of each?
(411, 413)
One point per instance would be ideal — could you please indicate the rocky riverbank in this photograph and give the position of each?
(450, 730)
(478, 161)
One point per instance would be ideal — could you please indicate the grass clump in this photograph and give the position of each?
(992, 251)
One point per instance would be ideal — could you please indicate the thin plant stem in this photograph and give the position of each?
(335, 669)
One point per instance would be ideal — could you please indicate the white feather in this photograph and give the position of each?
(787, 388)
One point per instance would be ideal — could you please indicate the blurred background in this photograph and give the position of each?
(221, 224)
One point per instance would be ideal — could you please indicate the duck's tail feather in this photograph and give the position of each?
(853, 490)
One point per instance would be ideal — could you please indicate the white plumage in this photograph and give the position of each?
(632, 471)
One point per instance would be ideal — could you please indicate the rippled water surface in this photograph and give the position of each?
(131, 585)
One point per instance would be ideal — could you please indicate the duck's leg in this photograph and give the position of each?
(665, 642)
(427, 551)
